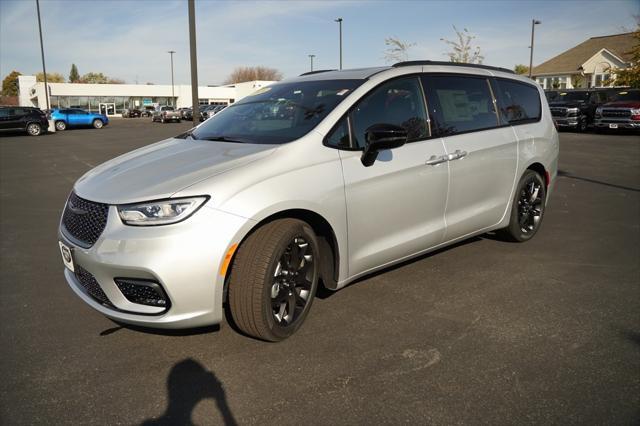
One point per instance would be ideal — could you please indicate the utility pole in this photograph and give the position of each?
(534, 22)
(173, 96)
(311, 58)
(44, 69)
(339, 21)
(194, 63)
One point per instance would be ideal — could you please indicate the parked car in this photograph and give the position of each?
(64, 118)
(33, 121)
(164, 114)
(147, 111)
(204, 111)
(256, 212)
(185, 113)
(622, 112)
(131, 113)
(575, 109)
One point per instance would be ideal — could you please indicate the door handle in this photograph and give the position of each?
(433, 161)
(457, 155)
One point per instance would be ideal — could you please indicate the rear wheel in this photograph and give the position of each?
(98, 124)
(582, 125)
(527, 209)
(61, 125)
(34, 129)
(274, 279)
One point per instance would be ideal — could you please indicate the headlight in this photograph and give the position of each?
(161, 212)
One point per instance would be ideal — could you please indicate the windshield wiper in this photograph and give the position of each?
(223, 139)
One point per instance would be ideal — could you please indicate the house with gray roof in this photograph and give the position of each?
(592, 63)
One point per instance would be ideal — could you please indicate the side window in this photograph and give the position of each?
(520, 102)
(339, 136)
(459, 103)
(5, 112)
(398, 102)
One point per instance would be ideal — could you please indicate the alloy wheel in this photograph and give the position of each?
(530, 206)
(292, 282)
(33, 129)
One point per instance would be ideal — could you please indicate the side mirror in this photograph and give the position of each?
(380, 137)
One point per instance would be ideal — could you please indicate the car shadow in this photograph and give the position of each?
(324, 293)
(189, 383)
(161, 332)
(562, 173)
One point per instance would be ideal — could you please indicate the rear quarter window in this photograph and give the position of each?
(519, 102)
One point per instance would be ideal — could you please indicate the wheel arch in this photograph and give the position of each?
(327, 240)
(541, 170)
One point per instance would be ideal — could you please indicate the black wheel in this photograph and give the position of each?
(274, 279)
(582, 125)
(98, 124)
(162, 120)
(34, 129)
(527, 209)
(61, 125)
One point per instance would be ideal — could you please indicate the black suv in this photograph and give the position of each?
(576, 109)
(27, 119)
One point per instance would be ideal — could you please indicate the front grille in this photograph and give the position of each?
(90, 284)
(616, 113)
(84, 220)
(558, 112)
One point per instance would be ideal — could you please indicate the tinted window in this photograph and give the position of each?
(520, 103)
(278, 113)
(5, 112)
(460, 104)
(398, 102)
(339, 136)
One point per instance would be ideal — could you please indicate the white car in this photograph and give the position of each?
(316, 180)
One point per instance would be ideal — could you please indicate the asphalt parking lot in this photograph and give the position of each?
(546, 332)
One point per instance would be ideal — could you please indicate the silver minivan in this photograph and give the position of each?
(315, 180)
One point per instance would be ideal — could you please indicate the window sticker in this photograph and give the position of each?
(342, 92)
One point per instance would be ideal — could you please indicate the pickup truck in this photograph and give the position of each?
(166, 113)
(575, 109)
(622, 112)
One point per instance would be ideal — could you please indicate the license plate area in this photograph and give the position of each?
(67, 256)
(613, 126)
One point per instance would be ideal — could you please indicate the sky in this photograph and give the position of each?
(130, 39)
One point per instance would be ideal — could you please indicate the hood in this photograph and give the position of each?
(622, 104)
(568, 104)
(162, 169)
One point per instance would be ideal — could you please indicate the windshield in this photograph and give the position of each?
(166, 108)
(628, 96)
(573, 97)
(277, 114)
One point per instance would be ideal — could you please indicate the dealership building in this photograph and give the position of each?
(112, 99)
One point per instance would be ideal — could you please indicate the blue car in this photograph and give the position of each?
(64, 118)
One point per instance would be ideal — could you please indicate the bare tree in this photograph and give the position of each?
(397, 50)
(462, 50)
(242, 74)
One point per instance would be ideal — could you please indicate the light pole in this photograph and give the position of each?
(311, 58)
(44, 69)
(194, 63)
(173, 98)
(534, 22)
(339, 21)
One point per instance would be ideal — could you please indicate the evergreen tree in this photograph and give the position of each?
(74, 76)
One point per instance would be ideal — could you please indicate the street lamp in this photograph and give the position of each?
(44, 69)
(534, 22)
(171, 52)
(311, 58)
(339, 21)
(194, 63)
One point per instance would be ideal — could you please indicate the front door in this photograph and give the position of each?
(108, 109)
(395, 207)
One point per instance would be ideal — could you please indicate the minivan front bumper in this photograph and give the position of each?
(183, 259)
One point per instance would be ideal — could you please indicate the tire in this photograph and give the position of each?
(98, 124)
(264, 301)
(162, 120)
(61, 125)
(527, 208)
(582, 125)
(34, 129)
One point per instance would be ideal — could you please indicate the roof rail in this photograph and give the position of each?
(455, 64)
(314, 72)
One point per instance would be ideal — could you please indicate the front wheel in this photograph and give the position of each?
(98, 124)
(527, 209)
(34, 129)
(274, 279)
(61, 125)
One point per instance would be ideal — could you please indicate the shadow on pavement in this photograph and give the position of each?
(160, 331)
(188, 384)
(562, 173)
